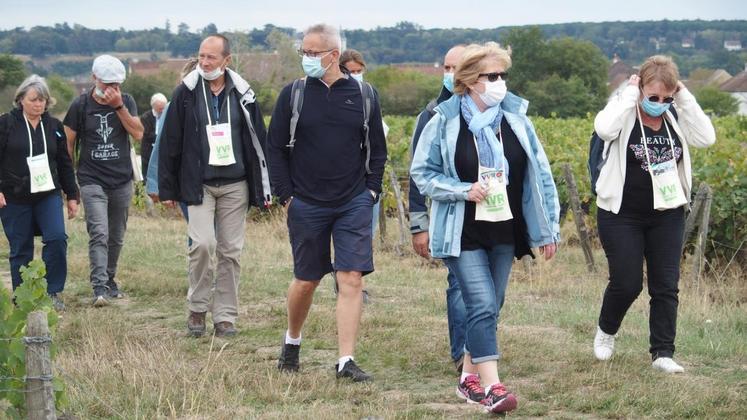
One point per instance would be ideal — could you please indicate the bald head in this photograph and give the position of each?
(452, 57)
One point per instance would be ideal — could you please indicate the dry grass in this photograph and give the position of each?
(132, 360)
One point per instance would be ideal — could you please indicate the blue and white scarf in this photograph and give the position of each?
(484, 125)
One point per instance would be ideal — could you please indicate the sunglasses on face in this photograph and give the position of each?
(492, 77)
(656, 98)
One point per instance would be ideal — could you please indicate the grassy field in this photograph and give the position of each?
(132, 360)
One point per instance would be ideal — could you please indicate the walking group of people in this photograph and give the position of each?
(481, 190)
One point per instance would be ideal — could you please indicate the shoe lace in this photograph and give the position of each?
(498, 390)
(472, 384)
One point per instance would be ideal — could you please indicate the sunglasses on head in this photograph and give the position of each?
(492, 77)
(656, 98)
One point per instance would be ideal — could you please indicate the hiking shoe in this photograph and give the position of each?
(667, 365)
(604, 345)
(470, 390)
(224, 329)
(57, 302)
(499, 400)
(288, 360)
(114, 292)
(100, 296)
(196, 324)
(352, 371)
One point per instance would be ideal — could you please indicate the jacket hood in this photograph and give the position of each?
(242, 86)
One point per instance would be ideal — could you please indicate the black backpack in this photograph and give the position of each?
(597, 158)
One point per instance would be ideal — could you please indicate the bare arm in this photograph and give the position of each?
(131, 123)
(71, 136)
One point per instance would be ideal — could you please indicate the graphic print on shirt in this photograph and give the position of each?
(659, 150)
(105, 151)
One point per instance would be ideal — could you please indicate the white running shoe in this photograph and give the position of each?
(667, 365)
(604, 345)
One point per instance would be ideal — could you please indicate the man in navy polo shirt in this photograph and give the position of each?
(328, 183)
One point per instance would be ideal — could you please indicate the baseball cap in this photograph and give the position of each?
(109, 69)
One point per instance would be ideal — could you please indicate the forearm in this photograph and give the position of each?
(131, 123)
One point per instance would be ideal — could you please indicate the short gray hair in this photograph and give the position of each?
(37, 83)
(158, 97)
(330, 35)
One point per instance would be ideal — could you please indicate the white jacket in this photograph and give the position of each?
(615, 122)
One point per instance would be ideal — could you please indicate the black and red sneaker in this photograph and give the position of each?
(499, 400)
(470, 390)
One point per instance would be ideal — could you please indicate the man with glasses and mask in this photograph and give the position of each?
(328, 177)
(212, 158)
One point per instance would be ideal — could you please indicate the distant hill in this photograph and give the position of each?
(694, 44)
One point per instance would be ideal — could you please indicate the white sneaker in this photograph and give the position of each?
(667, 365)
(604, 345)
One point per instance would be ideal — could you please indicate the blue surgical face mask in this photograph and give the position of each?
(357, 76)
(654, 109)
(312, 66)
(449, 82)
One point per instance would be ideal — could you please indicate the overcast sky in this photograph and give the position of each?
(245, 15)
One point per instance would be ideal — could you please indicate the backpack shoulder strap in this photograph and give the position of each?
(82, 110)
(367, 95)
(297, 91)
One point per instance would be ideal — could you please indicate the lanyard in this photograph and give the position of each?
(645, 143)
(207, 107)
(31, 144)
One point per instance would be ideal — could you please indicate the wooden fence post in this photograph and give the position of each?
(39, 389)
(400, 212)
(578, 216)
(702, 238)
(692, 219)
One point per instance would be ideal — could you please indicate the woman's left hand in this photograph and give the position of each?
(72, 209)
(548, 250)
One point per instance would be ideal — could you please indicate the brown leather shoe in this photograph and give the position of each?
(224, 329)
(196, 324)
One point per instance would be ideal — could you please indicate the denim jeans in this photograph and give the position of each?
(19, 222)
(106, 222)
(457, 316)
(483, 276)
(627, 240)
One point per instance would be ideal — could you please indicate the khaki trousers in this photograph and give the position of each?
(216, 228)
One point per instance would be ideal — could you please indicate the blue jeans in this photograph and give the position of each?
(457, 316)
(483, 277)
(20, 221)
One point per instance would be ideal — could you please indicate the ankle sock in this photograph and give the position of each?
(341, 362)
(294, 341)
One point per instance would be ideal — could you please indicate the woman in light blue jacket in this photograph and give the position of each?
(493, 198)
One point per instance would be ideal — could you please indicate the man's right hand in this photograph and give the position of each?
(287, 203)
(2, 201)
(169, 203)
(420, 244)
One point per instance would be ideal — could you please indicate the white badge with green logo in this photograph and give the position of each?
(40, 176)
(219, 137)
(668, 193)
(495, 207)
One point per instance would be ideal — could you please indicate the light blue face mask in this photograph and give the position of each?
(654, 109)
(312, 66)
(357, 76)
(449, 82)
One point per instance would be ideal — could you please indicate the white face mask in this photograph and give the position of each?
(494, 93)
(357, 76)
(214, 74)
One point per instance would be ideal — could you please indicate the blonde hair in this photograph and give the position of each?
(472, 64)
(660, 68)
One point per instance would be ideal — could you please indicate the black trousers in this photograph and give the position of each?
(627, 240)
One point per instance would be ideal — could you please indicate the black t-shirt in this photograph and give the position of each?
(481, 234)
(638, 191)
(104, 143)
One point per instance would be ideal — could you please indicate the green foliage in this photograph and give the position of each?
(403, 92)
(715, 102)
(30, 296)
(143, 87)
(62, 91)
(12, 72)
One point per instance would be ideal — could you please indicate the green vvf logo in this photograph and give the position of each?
(223, 151)
(496, 202)
(668, 192)
(40, 179)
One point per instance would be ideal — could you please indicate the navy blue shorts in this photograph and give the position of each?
(348, 226)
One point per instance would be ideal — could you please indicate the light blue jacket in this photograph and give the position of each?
(151, 182)
(435, 174)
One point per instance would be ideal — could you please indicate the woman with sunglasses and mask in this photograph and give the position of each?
(642, 190)
(493, 198)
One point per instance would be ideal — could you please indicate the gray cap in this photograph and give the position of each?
(109, 69)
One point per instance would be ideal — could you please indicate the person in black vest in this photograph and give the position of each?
(35, 167)
(212, 158)
(150, 129)
(102, 121)
(327, 191)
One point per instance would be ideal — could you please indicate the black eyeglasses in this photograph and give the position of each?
(666, 100)
(492, 77)
(313, 54)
